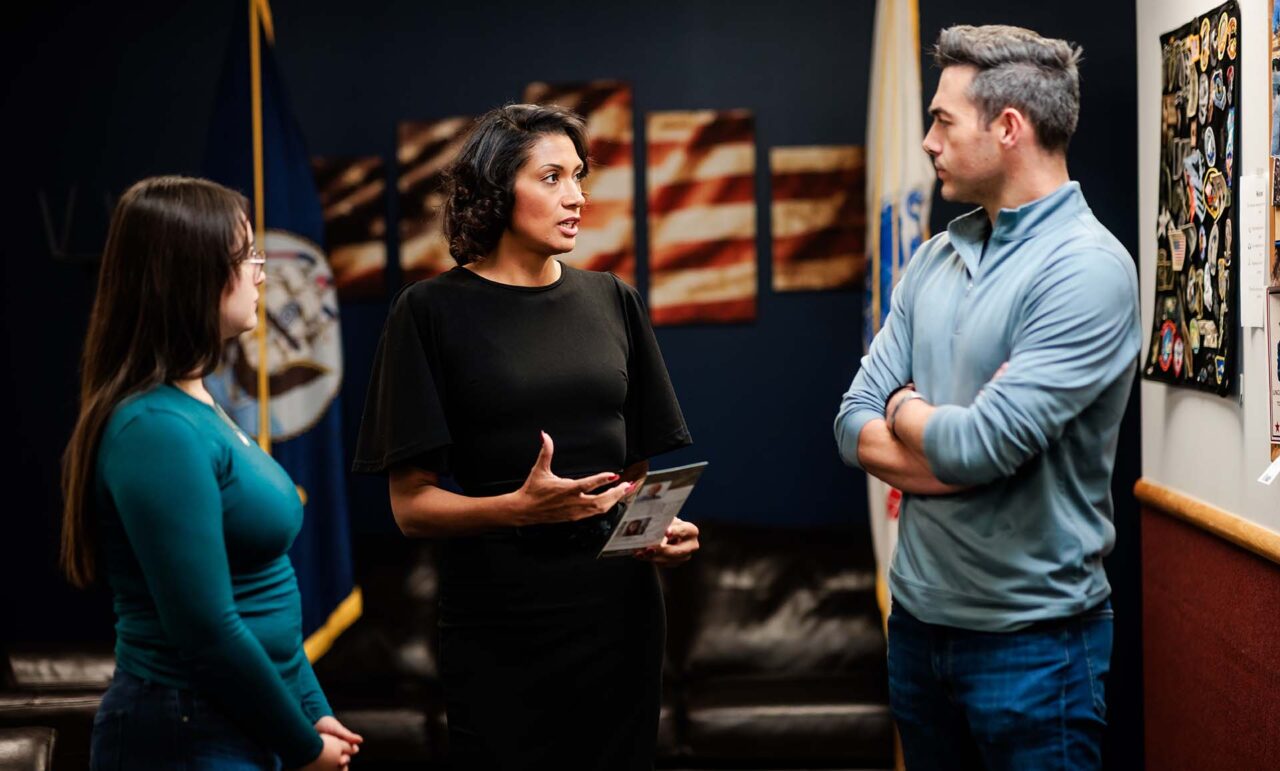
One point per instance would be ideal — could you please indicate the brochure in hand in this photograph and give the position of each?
(648, 512)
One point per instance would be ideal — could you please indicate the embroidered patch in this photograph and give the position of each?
(1166, 345)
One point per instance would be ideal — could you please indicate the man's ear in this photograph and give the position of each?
(1012, 128)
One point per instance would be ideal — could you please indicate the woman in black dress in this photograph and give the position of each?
(550, 658)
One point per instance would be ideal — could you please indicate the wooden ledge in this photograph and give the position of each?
(1227, 526)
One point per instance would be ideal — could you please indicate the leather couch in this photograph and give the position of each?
(775, 655)
(56, 688)
(775, 658)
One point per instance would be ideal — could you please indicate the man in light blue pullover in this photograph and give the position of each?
(992, 398)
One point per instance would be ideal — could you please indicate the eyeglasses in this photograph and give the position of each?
(259, 261)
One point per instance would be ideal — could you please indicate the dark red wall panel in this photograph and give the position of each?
(1211, 650)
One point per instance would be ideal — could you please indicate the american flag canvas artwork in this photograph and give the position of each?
(606, 238)
(702, 216)
(423, 150)
(353, 200)
(819, 217)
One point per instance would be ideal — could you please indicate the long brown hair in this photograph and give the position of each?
(173, 246)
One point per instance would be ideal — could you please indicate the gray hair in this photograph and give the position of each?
(1018, 68)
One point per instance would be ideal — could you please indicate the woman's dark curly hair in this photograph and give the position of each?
(480, 183)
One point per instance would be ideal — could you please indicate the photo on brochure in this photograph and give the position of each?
(649, 511)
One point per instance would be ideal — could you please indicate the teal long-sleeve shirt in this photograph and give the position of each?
(1049, 290)
(195, 523)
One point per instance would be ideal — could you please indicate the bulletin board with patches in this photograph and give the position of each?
(1194, 338)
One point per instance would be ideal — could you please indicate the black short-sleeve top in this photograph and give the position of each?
(469, 371)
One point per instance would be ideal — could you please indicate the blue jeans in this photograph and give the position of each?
(147, 726)
(1031, 699)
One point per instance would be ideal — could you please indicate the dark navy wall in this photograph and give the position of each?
(759, 397)
(99, 95)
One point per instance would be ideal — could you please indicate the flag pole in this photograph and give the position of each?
(259, 221)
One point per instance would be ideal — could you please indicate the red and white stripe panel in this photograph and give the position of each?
(423, 150)
(352, 197)
(606, 237)
(819, 217)
(702, 216)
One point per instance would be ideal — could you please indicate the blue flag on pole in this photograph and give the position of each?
(303, 341)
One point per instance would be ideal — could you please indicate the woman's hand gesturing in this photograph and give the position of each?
(545, 497)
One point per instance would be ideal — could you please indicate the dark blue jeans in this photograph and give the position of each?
(1031, 699)
(146, 726)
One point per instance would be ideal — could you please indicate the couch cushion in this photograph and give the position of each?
(60, 669)
(774, 602)
(827, 719)
(26, 749)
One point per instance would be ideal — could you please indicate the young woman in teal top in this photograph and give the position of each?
(189, 520)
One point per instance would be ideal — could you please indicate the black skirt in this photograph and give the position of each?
(550, 658)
